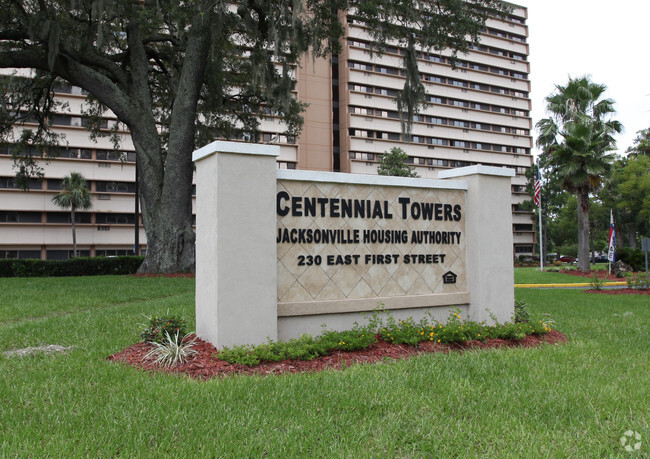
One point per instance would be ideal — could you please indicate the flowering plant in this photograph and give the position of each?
(158, 326)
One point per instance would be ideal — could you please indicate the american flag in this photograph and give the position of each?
(538, 189)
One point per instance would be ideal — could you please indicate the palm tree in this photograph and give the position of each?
(74, 195)
(576, 141)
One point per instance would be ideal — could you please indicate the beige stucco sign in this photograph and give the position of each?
(281, 253)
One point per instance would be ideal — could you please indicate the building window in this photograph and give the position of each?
(113, 252)
(434, 79)
(19, 217)
(481, 67)
(359, 66)
(386, 70)
(114, 219)
(386, 92)
(54, 184)
(64, 217)
(436, 141)
(10, 183)
(65, 254)
(78, 153)
(61, 120)
(111, 155)
(20, 254)
(459, 103)
(114, 187)
(434, 120)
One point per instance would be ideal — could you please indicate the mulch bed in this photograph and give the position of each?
(205, 365)
(619, 291)
(602, 274)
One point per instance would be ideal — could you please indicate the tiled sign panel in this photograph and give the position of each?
(338, 241)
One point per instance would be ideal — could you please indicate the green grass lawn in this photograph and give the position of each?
(535, 276)
(572, 400)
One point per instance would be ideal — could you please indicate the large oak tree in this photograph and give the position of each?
(180, 74)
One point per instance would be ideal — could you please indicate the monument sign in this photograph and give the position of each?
(283, 252)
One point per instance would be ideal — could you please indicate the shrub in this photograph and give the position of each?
(81, 266)
(633, 257)
(521, 312)
(636, 280)
(382, 324)
(159, 326)
(303, 348)
(596, 282)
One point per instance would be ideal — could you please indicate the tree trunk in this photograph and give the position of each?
(167, 190)
(631, 235)
(545, 225)
(592, 252)
(170, 237)
(583, 230)
(166, 206)
(74, 233)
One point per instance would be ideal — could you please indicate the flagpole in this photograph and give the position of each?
(609, 266)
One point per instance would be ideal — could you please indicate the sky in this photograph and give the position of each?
(606, 40)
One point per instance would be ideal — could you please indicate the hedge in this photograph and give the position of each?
(81, 266)
(633, 257)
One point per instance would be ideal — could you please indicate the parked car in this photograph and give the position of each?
(567, 259)
(600, 259)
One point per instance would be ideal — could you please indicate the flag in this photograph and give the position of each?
(611, 255)
(538, 188)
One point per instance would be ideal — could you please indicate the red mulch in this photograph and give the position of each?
(602, 274)
(619, 291)
(205, 365)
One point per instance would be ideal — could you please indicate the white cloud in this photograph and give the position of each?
(599, 38)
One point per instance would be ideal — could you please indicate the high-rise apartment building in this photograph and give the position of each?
(477, 112)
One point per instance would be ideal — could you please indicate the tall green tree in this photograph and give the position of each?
(180, 74)
(628, 194)
(641, 144)
(577, 140)
(74, 195)
(394, 163)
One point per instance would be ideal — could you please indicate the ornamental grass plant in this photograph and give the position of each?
(171, 352)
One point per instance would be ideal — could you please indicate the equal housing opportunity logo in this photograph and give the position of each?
(631, 441)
